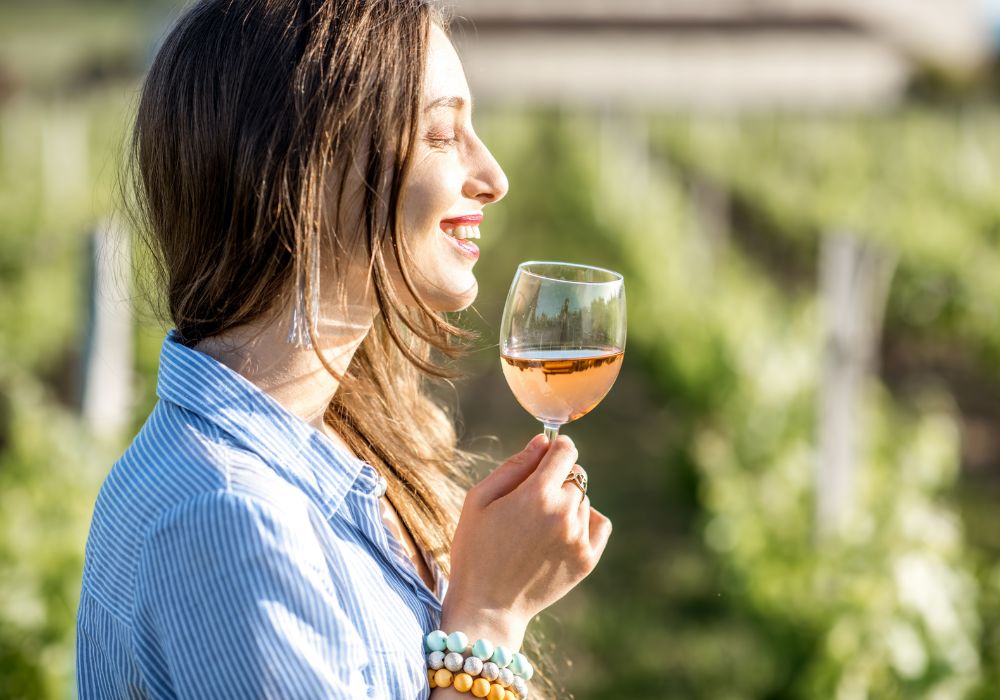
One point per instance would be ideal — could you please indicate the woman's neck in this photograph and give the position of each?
(294, 376)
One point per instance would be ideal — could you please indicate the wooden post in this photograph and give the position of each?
(108, 350)
(854, 285)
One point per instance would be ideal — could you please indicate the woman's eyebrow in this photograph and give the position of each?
(454, 102)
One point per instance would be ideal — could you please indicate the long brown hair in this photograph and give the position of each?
(253, 110)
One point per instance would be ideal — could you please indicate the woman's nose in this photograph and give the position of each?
(487, 181)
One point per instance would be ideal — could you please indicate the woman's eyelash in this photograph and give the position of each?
(436, 139)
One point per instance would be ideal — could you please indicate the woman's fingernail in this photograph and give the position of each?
(537, 442)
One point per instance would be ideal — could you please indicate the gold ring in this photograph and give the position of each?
(578, 478)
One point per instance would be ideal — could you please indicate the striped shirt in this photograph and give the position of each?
(235, 551)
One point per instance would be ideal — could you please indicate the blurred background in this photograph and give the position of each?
(802, 454)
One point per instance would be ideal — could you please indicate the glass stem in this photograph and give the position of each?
(551, 431)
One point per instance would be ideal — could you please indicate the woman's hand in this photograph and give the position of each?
(525, 539)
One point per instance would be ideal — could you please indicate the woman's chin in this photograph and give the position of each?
(448, 297)
(452, 301)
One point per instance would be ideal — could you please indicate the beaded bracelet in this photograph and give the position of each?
(488, 662)
(464, 683)
(481, 682)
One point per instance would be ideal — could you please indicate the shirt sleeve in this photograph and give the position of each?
(233, 601)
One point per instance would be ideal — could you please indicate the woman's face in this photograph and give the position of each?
(453, 178)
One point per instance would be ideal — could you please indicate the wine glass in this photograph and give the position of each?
(562, 339)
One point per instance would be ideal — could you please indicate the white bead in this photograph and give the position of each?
(473, 666)
(520, 687)
(506, 677)
(453, 661)
(490, 671)
(435, 660)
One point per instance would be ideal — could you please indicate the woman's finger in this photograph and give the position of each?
(583, 517)
(599, 531)
(556, 464)
(509, 475)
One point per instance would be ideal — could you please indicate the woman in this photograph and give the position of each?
(286, 524)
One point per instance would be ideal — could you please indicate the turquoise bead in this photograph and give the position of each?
(457, 641)
(436, 640)
(501, 656)
(482, 649)
(519, 664)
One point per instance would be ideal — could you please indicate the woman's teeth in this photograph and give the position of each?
(464, 232)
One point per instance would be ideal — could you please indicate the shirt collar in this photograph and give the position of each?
(256, 421)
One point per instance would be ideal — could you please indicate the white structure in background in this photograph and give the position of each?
(824, 55)
(108, 352)
(854, 279)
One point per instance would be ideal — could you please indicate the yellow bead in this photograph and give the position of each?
(480, 687)
(443, 677)
(430, 677)
(463, 681)
(496, 692)
(509, 695)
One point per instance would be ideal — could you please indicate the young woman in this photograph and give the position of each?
(293, 520)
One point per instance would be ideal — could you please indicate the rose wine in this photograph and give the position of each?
(559, 386)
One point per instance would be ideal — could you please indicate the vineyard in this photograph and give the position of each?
(733, 572)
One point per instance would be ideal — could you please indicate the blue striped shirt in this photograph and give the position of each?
(235, 551)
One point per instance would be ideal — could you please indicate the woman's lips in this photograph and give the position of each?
(460, 229)
(467, 220)
(466, 247)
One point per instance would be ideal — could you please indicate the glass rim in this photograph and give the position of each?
(617, 277)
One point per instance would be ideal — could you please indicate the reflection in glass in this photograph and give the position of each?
(562, 339)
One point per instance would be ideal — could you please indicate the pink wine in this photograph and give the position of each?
(559, 386)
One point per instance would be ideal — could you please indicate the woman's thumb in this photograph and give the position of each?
(511, 473)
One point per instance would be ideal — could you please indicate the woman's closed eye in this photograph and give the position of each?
(441, 138)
